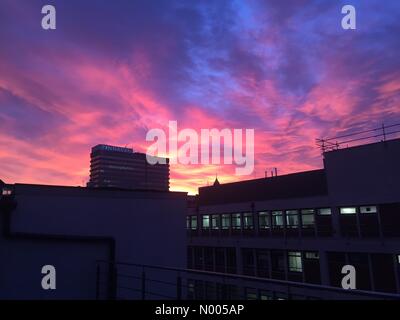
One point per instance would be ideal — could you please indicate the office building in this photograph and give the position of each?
(117, 167)
(289, 236)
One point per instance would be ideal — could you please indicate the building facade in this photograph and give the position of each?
(118, 167)
(290, 236)
(83, 233)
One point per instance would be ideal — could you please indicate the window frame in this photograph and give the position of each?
(194, 218)
(370, 212)
(244, 224)
(203, 218)
(277, 213)
(296, 254)
(292, 213)
(218, 219)
(308, 214)
(342, 213)
(225, 217)
(311, 255)
(267, 214)
(319, 212)
(234, 226)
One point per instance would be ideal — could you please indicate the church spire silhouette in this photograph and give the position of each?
(216, 182)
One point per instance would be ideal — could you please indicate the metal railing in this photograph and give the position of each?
(351, 139)
(130, 281)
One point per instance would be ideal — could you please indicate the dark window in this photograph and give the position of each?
(220, 259)
(307, 218)
(198, 258)
(248, 221)
(262, 263)
(209, 259)
(215, 222)
(311, 266)
(187, 222)
(292, 219)
(266, 295)
(226, 221)
(361, 264)
(263, 220)
(278, 264)
(236, 221)
(336, 261)
(368, 220)
(325, 211)
(390, 219)
(231, 260)
(210, 290)
(368, 209)
(383, 270)
(277, 219)
(194, 222)
(248, 262)
(189, 257)
(250, 293)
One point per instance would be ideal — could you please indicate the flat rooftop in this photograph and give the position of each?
(295, 185)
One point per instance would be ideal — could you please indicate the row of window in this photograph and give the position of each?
(199, 289)
(6, 191)
(375, 271)
(266, 219)
(224, 260)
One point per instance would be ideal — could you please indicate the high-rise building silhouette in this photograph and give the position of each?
(118, 167)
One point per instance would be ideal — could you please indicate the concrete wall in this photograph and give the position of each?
(365, 174)
(148, 228)
(22, 261)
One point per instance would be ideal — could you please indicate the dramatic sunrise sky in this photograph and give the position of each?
(115, 69)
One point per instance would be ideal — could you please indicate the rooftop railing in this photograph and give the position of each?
(130, 281)
(352, 139)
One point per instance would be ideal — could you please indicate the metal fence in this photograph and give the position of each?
(130, 281)
(352, 139)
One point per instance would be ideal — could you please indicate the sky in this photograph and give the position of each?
(113, 70)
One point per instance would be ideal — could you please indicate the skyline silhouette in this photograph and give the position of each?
(109, 73)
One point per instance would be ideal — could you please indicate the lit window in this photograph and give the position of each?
(292, 219)
(368, 209)
(263, 220)
(312, 255)
(215, 222)
(226, 221)
(248, 221)
(325, 211)
(277, 219)
(348, 210)
(307, 218)
(398, 258)
(206, 221)
(236, 221)
(6, 192)
(295, 263)
(194, 222)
